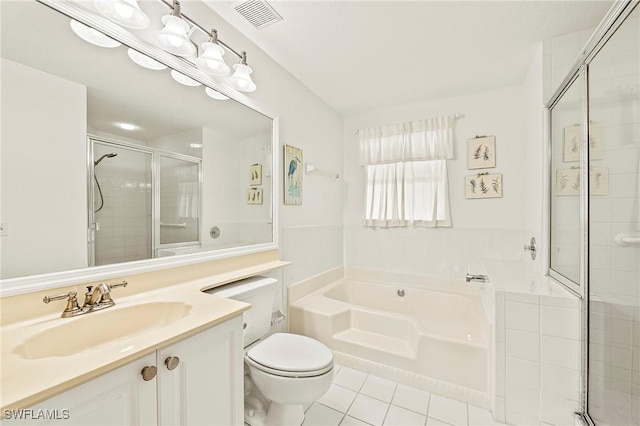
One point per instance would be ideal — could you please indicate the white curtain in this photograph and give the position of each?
(406, 173)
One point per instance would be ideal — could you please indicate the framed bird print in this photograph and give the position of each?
(293, 165)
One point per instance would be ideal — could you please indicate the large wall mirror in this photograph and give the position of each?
(105, 162)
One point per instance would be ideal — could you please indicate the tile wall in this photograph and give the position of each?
(443, 252)
(538, 359)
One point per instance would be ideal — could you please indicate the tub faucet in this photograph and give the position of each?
(479, 278)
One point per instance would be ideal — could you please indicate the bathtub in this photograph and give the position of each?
(436, 334)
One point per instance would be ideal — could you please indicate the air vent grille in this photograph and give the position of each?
(258, 12)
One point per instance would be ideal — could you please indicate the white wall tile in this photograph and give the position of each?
(560, 352)
(557, 411)
(523, 316)
(522, 298)
(523, 402)
(560, 382)
(523, 345)
(523, 373)
(560, 322)
(500, 412)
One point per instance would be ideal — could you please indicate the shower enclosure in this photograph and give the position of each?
(594, 132)
(143, 202)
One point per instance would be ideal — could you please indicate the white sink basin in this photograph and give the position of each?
(87, 331)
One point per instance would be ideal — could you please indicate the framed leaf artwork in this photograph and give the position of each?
(481, 152)
(483, 185)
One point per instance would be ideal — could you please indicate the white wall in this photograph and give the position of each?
(481, 227)
(46, 114)
(310, 234)
(534, 158)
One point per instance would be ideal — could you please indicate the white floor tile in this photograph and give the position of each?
(480, 417)
(411, 398)
(448, 410)
(350, 378)
(350, 421)
(368, 409)
(338, 398)
(401, 417)
(434, 422)
(379, 388)
(319, 415)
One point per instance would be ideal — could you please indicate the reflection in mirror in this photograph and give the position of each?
(566, 140)
(105, 161)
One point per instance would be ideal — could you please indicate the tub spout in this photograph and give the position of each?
(479, 278)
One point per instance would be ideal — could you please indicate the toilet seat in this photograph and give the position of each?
(290, 355)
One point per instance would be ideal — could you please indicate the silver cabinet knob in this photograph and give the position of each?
(149, 372)
(172, 362)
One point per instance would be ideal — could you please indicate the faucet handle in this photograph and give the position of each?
(72, 307)
(120, 284)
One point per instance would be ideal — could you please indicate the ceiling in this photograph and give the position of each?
(364, 55)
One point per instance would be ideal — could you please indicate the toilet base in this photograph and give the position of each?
(285, 414)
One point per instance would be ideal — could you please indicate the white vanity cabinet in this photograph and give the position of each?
(120, 397)
(204, 386)
(199, 381)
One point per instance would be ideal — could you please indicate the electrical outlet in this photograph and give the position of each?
(4, 229)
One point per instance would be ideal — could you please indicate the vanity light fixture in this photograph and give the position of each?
(174, 37)
(183, 79)
(241, 78)
(210, 60)
(145, 61)
(124, 12)
(215, 94)
(92, 36)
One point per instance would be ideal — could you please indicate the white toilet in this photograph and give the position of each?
(283, 372)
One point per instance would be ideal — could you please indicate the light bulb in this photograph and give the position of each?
(92, 36)
(210, 61)
(173, 37)
(241, 78)
(124, 12)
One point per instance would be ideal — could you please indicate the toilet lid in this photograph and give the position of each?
(292, 353)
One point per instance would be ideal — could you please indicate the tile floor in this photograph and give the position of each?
(358, 398)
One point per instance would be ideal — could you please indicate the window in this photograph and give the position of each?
(406, 173)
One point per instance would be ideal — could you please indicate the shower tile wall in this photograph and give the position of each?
(537, 359)
(125, 233)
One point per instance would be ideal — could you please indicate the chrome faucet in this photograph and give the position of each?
(479, 278)
(96, 298)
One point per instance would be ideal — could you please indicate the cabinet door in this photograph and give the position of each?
(206, 385)
(120, 397)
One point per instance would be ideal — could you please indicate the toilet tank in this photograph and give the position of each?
(260, 292)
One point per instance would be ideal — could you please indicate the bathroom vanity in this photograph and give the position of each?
(197, 380)
(168, 355)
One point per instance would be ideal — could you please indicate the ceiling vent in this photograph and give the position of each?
(258, 12)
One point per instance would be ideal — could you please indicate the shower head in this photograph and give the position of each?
(110, 155)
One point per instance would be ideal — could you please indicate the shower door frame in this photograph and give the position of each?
(155, 193)
(579, 74)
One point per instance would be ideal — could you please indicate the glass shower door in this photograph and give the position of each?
(121, 204)
(614, 228)
(179, 204)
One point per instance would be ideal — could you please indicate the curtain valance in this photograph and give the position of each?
(422, 140)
